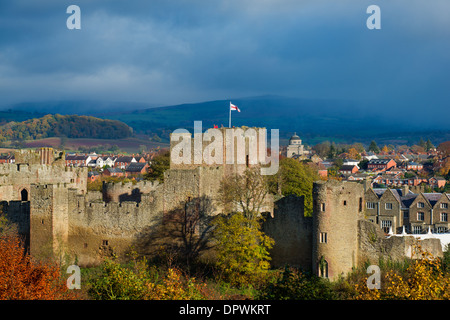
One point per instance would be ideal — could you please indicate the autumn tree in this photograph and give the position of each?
(22, 278)
(354, 154)
(322, 149)
(424, 279)
(245, 193)
(242, 248)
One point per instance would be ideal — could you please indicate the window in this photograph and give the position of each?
(323, 237)
(386, 225)
(322, 207)
(105, 242)
(417, 229)
(360, 204)
(420, 205)
(370, 205)
(24, 195)
(420, 216)
(323, 268)
(388, 206)
(444, 205)
(442, 229)
(85, 245)
(345, 202)
(444, 216)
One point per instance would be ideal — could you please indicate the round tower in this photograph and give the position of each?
(337, 209)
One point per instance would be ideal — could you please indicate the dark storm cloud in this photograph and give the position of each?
(166, 52)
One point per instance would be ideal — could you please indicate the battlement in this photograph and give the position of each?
(119, 192)
(39, 156)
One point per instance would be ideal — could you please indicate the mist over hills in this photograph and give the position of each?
(314, 120)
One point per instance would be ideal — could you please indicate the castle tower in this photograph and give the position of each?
(234, 149)
(49, 225)
(337, 208)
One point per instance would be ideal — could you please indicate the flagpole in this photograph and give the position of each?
(229, 122)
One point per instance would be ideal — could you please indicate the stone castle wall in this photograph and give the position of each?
(62, 218)
(129, 191)
(292, 232)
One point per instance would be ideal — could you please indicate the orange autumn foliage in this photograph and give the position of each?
(21, 278)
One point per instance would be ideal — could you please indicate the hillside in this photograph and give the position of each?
(314, 120)
(70, 126)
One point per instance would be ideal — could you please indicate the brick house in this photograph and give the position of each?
(124, 161)
(77, 160)
(414, 166)
(93, 175)
(437, 182)
(381, 164)
(136, 168)
(348, 169)
(113, 172)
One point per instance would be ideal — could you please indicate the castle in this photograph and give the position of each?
(56, 214)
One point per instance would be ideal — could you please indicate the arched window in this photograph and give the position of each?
(323, 268)
(24, 195)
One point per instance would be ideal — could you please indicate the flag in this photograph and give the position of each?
(233, 107)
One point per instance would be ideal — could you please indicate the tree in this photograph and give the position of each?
(422, 143)
(444, 148)
(353, 154)
(373, 147)
(244, 193)
(297, 178)
(322, 149)
(332, 151)
(159, 165)
(424, 279)
(363, 164)
(429, 145)
(22, 278)
(242, 248)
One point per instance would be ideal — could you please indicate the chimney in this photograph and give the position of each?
(405, 189)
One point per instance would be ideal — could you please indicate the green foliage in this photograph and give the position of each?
(363, 164)
(296, 178)
(295, 285)
(117, 282)
(159, 164)
(373, 147)
(242, 248)
(446, 259)
(138, 281)
(69, 126)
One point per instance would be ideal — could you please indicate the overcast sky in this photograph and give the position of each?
(166, 52)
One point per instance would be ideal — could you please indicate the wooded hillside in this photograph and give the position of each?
(70, 126)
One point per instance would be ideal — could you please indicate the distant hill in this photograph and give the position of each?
(315, 120)
(70, 126)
